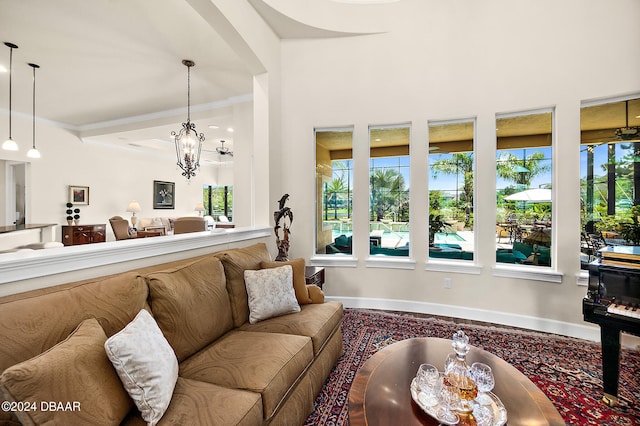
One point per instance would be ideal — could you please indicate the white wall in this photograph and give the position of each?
(450, 60)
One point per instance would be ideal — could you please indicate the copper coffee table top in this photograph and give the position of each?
(380, 393)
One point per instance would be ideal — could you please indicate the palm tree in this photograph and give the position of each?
(386, 186)
(459, 163)
(334, 189)
(522, 172)
(344, 169)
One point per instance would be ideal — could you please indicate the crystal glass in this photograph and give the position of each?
(485, 381)
(449, 399)
(482, 415)
(426, 380)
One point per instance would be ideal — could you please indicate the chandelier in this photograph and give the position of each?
(188, 141)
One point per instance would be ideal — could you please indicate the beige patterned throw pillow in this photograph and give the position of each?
(270, 293)
(146, 364)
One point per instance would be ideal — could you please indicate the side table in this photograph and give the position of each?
(314, 275)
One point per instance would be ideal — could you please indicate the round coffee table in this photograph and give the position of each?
(380, 393)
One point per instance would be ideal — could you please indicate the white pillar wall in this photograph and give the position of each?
(445, 61)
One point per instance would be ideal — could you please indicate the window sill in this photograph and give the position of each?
(537, 273)
(340, 260)
(582, 279)
(391, 262)
(458, 266)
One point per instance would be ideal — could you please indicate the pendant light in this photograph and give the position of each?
(188, 141)
(33, 152)
(10, 144)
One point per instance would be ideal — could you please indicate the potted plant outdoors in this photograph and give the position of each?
(609, 226)
(630, 231)
(436, 224)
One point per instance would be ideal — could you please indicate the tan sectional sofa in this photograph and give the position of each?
(230, 371)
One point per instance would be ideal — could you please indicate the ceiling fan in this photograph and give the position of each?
(223, 150)
(627, 133)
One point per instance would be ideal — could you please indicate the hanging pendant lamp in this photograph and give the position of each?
(188, 141)
(33, 152)
(10, 144)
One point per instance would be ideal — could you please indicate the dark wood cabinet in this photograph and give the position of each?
(314, 275)
(83, 234)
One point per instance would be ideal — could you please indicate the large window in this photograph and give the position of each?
(334, 191)
(389, 190)
(609, 176)
(524, 196)
(218, 202)
(451, 167)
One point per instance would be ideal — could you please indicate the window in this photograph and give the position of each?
(609, 176)
(218, 201)
(524, 196)
(451, 193)
(334, 191)
(389, 190)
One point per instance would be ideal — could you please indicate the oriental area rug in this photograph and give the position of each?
(567, 370)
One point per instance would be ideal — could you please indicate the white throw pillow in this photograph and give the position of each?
(270, 293)
(146, 365)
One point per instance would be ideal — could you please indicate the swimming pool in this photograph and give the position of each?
(404, 235)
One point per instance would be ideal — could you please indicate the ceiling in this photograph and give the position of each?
(118, 63)
(597, 124)
(108, 68)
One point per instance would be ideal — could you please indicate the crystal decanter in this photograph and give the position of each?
(458, 373)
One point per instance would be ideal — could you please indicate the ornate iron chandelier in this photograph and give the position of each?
(188, 141)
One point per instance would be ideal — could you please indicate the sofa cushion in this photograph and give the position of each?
(76, 371)
(267, 363)
(270, 293)
(235, 262)
(36, 321)
(299, 280)
(146, 364)
(200, 403)
(191, 305)
(343, 241)
(317, 321)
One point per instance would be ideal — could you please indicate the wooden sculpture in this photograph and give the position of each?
(282, 214)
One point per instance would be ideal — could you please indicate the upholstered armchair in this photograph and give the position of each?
(183, 225)
(120, 228)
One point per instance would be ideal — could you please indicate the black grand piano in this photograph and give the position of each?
(612, 302)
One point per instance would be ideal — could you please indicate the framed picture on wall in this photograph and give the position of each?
(163, 195)
(79, 195)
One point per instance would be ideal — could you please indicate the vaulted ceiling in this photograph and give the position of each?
(117, 63)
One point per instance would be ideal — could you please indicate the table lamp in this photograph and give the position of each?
(134, 207)
(199, 208)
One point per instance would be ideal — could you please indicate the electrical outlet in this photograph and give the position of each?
(447, 283)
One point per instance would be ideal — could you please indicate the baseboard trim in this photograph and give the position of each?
(586, 332)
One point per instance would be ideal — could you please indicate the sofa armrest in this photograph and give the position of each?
(315, 293)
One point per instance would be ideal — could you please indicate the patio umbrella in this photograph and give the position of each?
(537, 195)
(539, 236)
